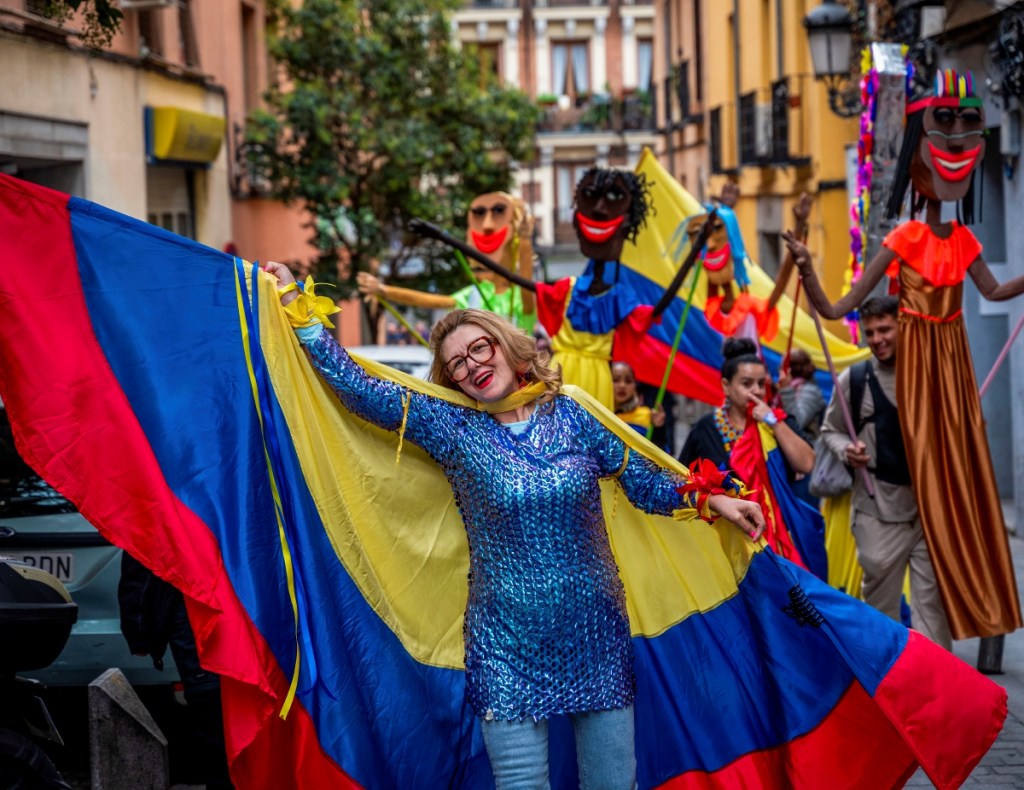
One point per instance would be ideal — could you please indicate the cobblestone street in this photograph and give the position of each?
(1003, 766)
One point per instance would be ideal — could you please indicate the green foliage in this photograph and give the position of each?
(379, 118)
(102, 18)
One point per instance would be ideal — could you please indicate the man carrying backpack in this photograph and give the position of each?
(885, 527)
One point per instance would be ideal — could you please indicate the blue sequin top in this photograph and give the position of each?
(546, 630)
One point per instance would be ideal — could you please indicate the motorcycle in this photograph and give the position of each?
(36, 615)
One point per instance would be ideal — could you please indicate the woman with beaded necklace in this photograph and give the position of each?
(715, 437)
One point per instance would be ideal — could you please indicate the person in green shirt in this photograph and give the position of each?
(500, 226)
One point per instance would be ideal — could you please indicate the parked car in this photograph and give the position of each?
(414, 360)
(41, 528)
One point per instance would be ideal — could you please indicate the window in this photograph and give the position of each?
(748, 129)
(187, 45)
(570, 70)
(22, 491)
(488, 60)
(567, 176)
(715, 133)
(780, 121)
(250, 81)
(149, 33)
(644, 61)
(683, 89)
(769, 248)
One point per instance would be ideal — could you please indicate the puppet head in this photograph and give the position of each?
(943, 143)
(611, 207)
(493, 228)
(724, 256)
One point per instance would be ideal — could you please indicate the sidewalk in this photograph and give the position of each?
(1003, 766)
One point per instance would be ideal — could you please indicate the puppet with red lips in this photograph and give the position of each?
(500, 226)
(729, 307)
(937, 394)
(585, 315)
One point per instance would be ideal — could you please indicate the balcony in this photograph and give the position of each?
(569, 3)
(771, 126)
(590, 114)
(598, 113)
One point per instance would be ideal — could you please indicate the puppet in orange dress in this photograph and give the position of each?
(730, 307)
(500, 226)
(937, 394)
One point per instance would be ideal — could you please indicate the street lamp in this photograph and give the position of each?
(830, 36)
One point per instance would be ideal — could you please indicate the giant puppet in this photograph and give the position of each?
(585, 315)
(499, 226)
(940, 411)
(729, 307)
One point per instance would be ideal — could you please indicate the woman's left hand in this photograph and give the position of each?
(745, 515)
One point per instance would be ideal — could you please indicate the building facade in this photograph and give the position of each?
(740, 104)
(150, 125)
(589, 64)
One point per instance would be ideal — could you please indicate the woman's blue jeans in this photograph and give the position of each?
(518, 751)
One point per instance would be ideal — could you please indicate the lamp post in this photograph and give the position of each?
(830, 34)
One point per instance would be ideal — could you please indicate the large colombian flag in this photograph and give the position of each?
(649, 267)
(156, 383)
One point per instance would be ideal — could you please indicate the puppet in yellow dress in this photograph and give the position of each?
(585, 315)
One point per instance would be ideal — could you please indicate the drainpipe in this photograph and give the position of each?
(736, 74)
(670, 150)
(779, 60)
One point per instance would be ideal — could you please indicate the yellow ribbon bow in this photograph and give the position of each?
(308, 308)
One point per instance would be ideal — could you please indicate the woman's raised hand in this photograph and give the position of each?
(745, 515)
(284, 278)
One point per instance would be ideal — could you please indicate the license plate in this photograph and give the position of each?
(60, 564)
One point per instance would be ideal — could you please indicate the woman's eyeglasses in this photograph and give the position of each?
(480, 350)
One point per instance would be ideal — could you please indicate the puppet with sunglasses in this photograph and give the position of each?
(499, 226)
(937, 394)
(584, 315)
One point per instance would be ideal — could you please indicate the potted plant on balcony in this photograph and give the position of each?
(546, 100)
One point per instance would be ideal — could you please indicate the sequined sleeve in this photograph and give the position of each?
(648, 486)
(379, 401)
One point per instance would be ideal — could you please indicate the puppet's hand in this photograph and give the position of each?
(525, 229)
(369, 285)
(801, 211)
(801, 255)
(730, 194)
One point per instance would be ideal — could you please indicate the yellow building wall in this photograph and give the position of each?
(815, 132)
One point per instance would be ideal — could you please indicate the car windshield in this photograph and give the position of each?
(22, 491)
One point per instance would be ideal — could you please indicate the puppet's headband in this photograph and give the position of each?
(951, 90)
